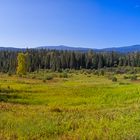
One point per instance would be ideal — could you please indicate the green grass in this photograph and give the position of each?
(80, 107)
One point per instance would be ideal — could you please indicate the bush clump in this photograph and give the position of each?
(102, 73)
(64, 75)
(133, 77)
(114, 79)
(96, 72)
(9, 74)
(33, 77)
(58, 110)
(126, 77)
(48, 77)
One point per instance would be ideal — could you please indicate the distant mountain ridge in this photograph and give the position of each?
(62, 47)
(126, 49)
(11, 49)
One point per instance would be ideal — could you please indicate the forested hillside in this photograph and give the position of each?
(57, 60)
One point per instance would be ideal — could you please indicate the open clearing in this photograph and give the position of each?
(81, 107)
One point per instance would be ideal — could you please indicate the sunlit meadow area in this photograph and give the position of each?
(77, 105)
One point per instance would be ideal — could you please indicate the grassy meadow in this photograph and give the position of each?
(77, 106)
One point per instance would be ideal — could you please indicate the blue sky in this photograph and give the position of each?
(79, 23)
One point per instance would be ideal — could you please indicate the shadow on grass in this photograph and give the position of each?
(10, 90)
(9, 95)
(14, 98)
(4, 97)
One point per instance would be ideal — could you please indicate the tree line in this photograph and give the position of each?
(58, 60)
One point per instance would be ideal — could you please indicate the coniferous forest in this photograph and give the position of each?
(58, 60)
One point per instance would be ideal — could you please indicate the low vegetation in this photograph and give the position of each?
(114, 79)
(72, 105)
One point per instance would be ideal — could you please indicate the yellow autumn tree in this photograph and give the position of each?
(22, 63)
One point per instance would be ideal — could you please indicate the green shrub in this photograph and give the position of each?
(85, 73)
(82, 71)
(133, 77)
(64, 75)
(110, 76)
(121, 83)
(54, 75)
(58, 110)
(67, 70)
(44, 81)
(96, 72)
(132, 71)
(102, 72)
(9, 74)
(126, 77)
(59, 70)
(33, 77)
(88, 71)
(48, 77)
(114, 79)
